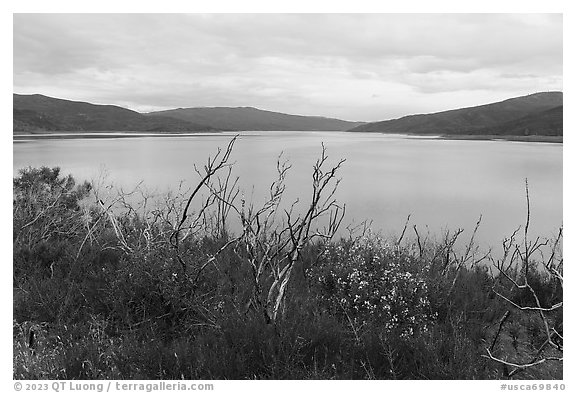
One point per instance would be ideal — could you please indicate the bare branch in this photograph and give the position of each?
(519, 367)
(554, 307)
(502, 321)
(403, 231)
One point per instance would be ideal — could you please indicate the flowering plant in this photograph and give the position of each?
(370, 281)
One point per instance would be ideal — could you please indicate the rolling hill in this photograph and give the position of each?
(253, 119)
(535, 114)
(548, 122)
(38, 113)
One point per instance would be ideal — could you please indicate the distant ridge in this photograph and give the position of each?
(534, 114)
(548, 122)
(40, 114)
(253, 119)
(37, 113)
(539, 114)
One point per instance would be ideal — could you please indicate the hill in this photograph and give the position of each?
(253, 119)
(535, 114)
(38, 113)
(26, 120)
(548, 122)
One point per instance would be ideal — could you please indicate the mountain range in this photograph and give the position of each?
(38, 113)
(253, 119)
(535, 114)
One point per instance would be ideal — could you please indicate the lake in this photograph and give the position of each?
(440, 183)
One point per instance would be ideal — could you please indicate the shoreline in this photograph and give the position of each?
(108, 135)
(507, 138)
(21, 137)
(138, 134)
(487, 137)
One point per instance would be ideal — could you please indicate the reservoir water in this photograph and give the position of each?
(442, 184)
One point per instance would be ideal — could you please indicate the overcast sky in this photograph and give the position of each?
(350, 66)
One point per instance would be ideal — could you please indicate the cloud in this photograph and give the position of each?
(344, 65)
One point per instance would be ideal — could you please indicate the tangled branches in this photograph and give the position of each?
(516, 267)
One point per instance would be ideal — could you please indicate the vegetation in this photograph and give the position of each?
(254, 119)
(125, 286)
(38, 114)
(544, 123)
(526, 118)
(536, 114)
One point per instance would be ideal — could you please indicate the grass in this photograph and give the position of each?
(104, 293)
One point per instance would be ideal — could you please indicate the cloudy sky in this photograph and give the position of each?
(350, 66)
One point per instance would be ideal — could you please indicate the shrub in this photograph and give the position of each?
(109, 293)
(370, 281)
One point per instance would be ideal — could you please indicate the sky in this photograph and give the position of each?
(363, 67)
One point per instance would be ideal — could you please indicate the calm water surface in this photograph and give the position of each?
(441, 183)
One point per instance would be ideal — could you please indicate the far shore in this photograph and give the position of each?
(510, 138)
(139, 134)
(108, 135)
(472, 137)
